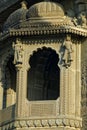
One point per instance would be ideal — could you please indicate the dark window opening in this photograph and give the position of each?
(43, 80)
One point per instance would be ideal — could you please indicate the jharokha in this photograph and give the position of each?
(43, 65)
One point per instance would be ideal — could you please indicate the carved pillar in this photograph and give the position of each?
(21, 78)
(19, 91)
(21, 88)
(64, 91)
(67, 86)
(78, 81)
(24, 90)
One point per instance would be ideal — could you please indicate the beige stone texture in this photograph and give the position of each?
(43, 67)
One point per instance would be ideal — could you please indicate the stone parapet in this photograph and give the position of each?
(7, 114)
(63, 123)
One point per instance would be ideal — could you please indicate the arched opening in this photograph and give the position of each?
(9, 96)
(43, 82)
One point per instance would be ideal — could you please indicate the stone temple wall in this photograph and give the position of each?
(84, 84)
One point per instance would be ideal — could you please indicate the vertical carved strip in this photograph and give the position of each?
(24, 90)
(62, 92)
(78, 80)
(84, 85)
(19, 94)
(69, 91)
(66, 91)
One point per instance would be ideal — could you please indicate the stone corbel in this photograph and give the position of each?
(18, 52)
(66, 52)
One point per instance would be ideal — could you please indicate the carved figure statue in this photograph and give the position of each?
(82, 20)
(66, 50)
(18, 55)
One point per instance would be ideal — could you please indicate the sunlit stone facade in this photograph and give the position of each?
(43, 65)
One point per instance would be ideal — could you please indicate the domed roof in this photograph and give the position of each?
(16, 17)
(45, 9)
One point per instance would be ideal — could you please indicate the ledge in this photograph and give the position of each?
(48, 30)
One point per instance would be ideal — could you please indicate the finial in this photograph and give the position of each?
(24, 4)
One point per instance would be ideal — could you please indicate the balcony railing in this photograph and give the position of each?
(7, 114)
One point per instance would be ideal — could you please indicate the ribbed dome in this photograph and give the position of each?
(45, 9)
(16, 17)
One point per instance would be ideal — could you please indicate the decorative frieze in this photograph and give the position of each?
(64, 29)
(40, 123)
(48, 30)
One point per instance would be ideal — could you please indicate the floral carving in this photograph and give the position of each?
(44, 123)
(52, 122)
(37, 123)
(30, 123)
(72, 123)
(59, 122)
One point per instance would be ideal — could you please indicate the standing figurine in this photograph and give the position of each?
(82, 19)
(18, 56)
(67, 50)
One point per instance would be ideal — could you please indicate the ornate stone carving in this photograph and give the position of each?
(66, 122)
(52, 122)
(82, 19)
(22, 123)
(72, 123)
(59, 122)
(44, 123)
(16, 124)
(30, 123)
(18, 52)
(66, 52)
(55, 115)
(37, 123)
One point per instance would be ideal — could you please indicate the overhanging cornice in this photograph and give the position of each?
(50, 30)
